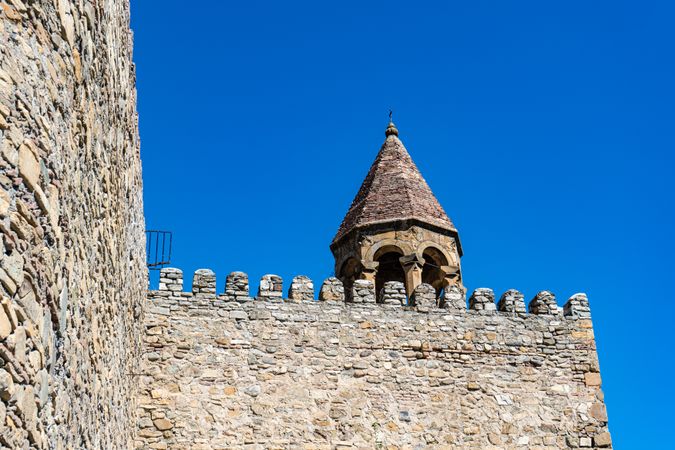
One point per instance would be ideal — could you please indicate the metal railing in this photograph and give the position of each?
(158, 248)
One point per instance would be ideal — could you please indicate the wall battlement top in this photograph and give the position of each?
(236, 361)
(391, 296)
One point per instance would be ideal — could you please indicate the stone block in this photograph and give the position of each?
(423, 297)
(271, 287)
(512, 301)
(204, 283)
(577, 307)
(5, 323)
(454, 298)
(162, 424)
(302, 289)
(236, 286)
(363, 291)
(171, 279)
(332, 289)
(544, 304)
(592, 379)
(598, 411)
(483, 299)
(602, 440)
(393, 293)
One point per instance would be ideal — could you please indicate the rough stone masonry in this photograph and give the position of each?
(72, 269)
(82, 366)
(222, 371)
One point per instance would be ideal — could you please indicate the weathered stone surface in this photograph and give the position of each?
(5, 324)
(271, 287)
(6, 385)
(393, 293)
(83, 366)
(603, 439)
(332, 290)
(512, 301)
(454, 298)
(363, 291)
(162, 424)
(483, 299)
(72, 260)
(171, 279)
(598, 412)
(362, 375)
(577, 306)
(544, 303)
(236, 287)
(592, 379)
(204, 283)
(423, 297)
(302, 289)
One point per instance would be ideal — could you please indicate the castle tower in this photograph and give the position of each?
(395, 229)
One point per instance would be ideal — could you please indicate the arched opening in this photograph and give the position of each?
(431, 272)
(389, 267)
(348, 273)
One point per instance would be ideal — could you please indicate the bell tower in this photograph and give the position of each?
(395, 229)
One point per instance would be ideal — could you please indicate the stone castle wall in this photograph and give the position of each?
(236, 371)
(72, 269)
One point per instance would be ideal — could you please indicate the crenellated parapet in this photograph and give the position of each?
(371, 358)
(483, 299)
(204, 282)
(393, 293)
(512, 301)
(171, 279)
(424, 298)
(302, 289)
(544, 303)
(332, 290)
(363, 291)
(236, 286)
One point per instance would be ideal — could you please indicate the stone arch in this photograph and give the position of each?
(434, 259)
(389, 268)
(435, 247)
(349, 271)
(401, 247)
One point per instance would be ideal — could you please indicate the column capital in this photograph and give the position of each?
(411, 261)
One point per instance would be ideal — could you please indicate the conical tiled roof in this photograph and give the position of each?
(393, 190)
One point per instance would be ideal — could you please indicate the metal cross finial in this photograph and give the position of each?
(391, 113)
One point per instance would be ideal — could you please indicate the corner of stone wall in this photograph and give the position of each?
(72, 255)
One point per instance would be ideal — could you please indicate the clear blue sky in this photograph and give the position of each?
(545, 129)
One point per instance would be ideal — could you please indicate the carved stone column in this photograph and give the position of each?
(451, 276)
(412, 265)
(369, 270)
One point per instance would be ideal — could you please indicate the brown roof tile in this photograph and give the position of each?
(394, 189)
